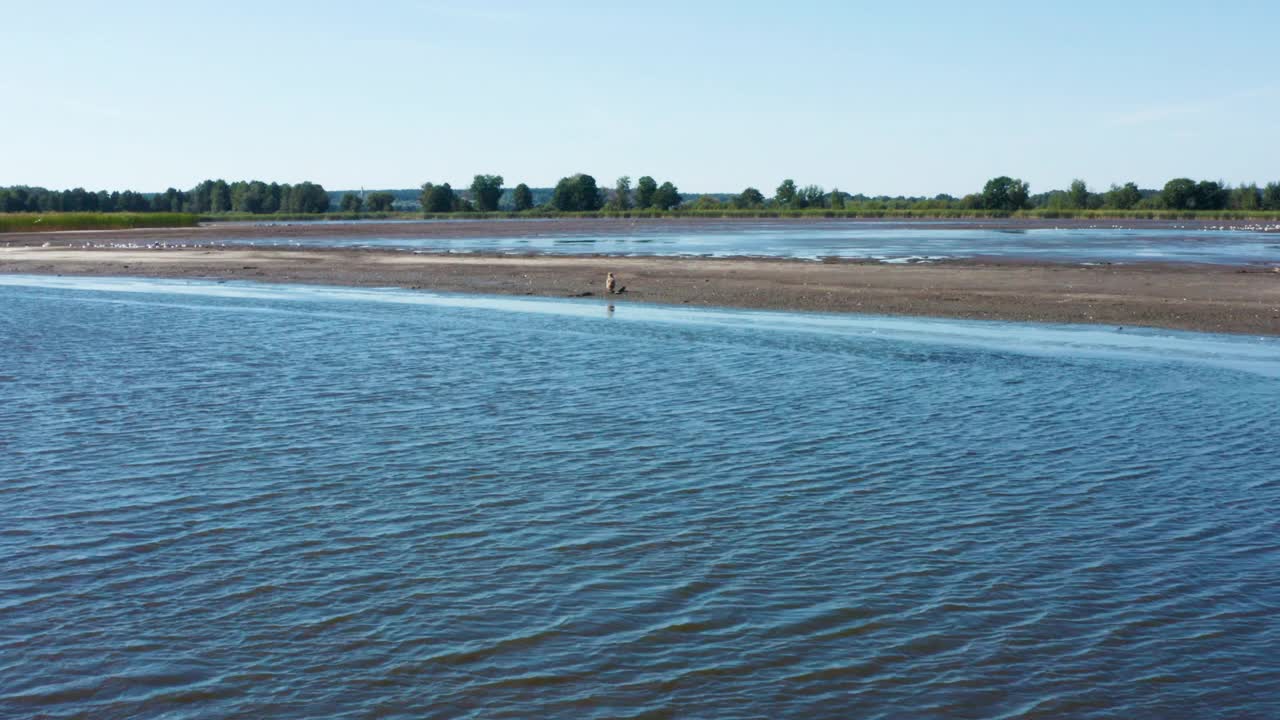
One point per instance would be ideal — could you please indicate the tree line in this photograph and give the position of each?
(575, 193)
(373, 202)
(1007, 194)
(210, 196)
(1177, 194)
(581, 193)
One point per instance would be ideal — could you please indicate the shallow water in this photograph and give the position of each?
(896, 241)
(229, 500)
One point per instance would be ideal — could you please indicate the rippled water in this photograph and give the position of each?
(896, 241)
(252, 501)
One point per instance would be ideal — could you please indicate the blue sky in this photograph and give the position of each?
(897, 98)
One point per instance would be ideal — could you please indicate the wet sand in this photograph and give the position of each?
(1187, 297)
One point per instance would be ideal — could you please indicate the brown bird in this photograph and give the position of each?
(611, 284)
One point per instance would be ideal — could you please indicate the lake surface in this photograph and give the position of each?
(891, 241)
(247, 501)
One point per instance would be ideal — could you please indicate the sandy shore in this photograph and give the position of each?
(1206, 298)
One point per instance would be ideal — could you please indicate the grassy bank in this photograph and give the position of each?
(926, 213)
(49, 222)
(330, 216)
(938, 214)
(45, 222)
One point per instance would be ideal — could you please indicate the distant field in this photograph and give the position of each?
(48, 222)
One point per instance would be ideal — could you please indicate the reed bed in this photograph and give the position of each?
(46, 222)
(49, 222)
(316, 217)
(924, 213)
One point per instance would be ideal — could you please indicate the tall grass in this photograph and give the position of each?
(33, 222)
(923, 213)
(317, 217)
(49, 222)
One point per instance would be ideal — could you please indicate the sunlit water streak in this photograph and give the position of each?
(896, 241)
(237, 500)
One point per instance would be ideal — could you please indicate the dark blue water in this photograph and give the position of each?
(243, 501)
(890, 241)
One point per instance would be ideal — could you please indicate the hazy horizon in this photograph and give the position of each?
(714, 97)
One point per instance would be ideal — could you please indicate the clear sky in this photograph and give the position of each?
(910, 98)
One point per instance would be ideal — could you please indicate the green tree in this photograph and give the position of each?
(248, 197)
(288, 199)
(810, 196)
(351, 203)
(485, 191)
(219, 197)
(645, 188)
(1005, 194)
(1271, 196)
(197, 198)
(130, 201)
(258, 197)
(666, 197)
(379, 201)
(308, 197)
(1053, 200)
(1078, 195)
(239, 191)
(785, 195)
(171, 200)
(77, 200)
(1179, 194)
(14, 199)
(522, 197)
(438, 198)
(1246, 197)
(749, 198)
(1124, 198)
(576, 193)
(836, 200)
(621, 199)
(271, 198)
(1211, 196)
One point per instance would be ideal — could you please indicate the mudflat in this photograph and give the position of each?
(284, 231)
(1209, 298)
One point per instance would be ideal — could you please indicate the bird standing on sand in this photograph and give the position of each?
(611, 284)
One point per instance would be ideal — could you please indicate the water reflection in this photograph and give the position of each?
(898, 241)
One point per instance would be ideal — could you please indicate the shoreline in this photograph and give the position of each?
(1208, 298)
(459, 228)
(508, 225)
